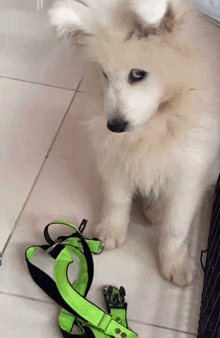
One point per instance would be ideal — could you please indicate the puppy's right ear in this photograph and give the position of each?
(150, 12)
(71, 17)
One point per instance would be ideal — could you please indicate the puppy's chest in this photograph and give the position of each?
(149, 171)
(144, 168)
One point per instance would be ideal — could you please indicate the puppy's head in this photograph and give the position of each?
(143, 63)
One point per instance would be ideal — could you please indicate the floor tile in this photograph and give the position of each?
(69, 188)
(29, 318)
(30, 116)
(30, 50)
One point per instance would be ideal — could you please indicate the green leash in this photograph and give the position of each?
(77, 311)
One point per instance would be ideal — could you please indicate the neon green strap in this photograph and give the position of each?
(87, 314)
(91, 313)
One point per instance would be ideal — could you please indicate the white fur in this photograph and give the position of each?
(151, 11)
(170, 150)
(134, 104)
(69, 16)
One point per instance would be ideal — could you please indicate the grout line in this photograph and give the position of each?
(63, 119)
(162, 327)
(26, 297)
(129, 320)
(32, 188)
(41, 84)
(40, 170)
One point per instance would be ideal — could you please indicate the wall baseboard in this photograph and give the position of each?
(209, 13)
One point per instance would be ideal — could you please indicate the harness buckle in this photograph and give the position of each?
(114, 297)
(57, 242)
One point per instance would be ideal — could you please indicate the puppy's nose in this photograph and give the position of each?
(117, 126)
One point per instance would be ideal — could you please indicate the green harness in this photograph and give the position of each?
(77, 311)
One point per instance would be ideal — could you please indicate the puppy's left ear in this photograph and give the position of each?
(151, 12)
(71, 17)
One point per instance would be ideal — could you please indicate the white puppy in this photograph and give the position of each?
(160, 76)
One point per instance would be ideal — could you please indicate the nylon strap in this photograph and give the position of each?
(76, 309)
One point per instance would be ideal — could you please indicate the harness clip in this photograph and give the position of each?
(114, 297)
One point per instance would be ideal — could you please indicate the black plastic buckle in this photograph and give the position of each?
(114, 297)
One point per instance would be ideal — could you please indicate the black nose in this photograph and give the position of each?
(117, 126)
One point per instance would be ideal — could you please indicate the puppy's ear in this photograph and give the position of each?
(150, 12)
(71, 17)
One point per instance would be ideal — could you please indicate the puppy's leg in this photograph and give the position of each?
(112, 229)
(176, 265)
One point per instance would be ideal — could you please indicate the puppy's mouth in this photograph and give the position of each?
(119, 125)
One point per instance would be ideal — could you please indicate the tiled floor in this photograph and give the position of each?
(48, 172)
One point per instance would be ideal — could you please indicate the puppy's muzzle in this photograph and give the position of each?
(117, 126)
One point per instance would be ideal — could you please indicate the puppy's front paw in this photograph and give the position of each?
(110, 236)
(178, 269)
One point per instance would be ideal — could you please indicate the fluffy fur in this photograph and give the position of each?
(170, 149)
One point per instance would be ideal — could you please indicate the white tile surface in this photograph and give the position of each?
(30, 116)
(69, 188)
(29, 49)
(21, 317)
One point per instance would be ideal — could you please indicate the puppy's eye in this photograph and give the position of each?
(137, 75)
(105, 75)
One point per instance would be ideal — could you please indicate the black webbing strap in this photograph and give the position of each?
(86, 250)
(47, 284)
(76, 309)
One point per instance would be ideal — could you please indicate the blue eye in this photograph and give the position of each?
(137, 75)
